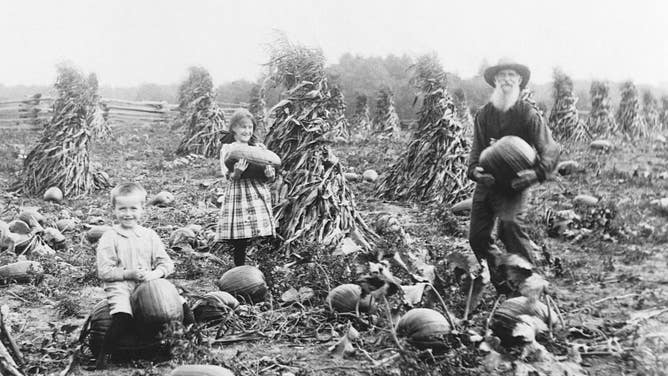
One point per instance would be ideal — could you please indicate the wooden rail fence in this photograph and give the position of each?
(34, 111)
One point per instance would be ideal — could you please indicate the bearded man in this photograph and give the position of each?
(506, 114)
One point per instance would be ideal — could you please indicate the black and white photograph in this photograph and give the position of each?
(351, 187)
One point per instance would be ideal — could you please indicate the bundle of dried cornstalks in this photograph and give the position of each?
(601, 120)
(199, 113)
(629, 117)
(361, 122)
(61, 158)
(663, 116)
(433, 168)
(386, 121)
(258, 107)
(337, 110)
(650, 108)
(527, 96)
(462, 110)
(564, 119)
(314, 201)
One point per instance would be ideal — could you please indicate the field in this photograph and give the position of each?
(606, 269)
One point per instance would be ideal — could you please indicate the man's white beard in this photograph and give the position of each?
(502, 101)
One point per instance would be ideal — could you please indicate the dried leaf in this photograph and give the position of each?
(413, 294)
(346, 247)
(533, 287)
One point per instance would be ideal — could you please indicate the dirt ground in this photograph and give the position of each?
(607, 269)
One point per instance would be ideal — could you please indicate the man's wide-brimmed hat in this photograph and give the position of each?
(505, 63)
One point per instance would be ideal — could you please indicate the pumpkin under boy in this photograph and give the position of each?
(127, 255)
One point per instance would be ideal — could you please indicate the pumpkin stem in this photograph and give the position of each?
(445, 308)
(489, 319)
(392, 329)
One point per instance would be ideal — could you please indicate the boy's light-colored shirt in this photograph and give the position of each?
(121, 249)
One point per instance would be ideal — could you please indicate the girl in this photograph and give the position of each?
(246, 211)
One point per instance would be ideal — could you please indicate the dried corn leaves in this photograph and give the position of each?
(462, 111)
(650, 109)
(527, 96)
(200, 115)
(433, 168)
(258, 106)
(386, 121)
(62, 158)
(663, 116)
(601, 121)
(361, 122)
(564, 119)
(629, 117)
(314, 201)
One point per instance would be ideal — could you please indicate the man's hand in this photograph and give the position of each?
(483, 178)
(239, 168)
(524, 180)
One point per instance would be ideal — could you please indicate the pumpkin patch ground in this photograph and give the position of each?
(605, 262)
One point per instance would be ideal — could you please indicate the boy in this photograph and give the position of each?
(127, 255)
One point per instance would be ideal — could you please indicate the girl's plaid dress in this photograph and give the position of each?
(246, 210)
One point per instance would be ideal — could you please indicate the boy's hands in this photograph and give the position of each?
(154, 274)
(142, 275)
(132, 274)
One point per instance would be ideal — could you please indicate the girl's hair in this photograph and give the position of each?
(128, 189)
(236, 118)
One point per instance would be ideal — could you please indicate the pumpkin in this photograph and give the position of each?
(156, 301)
(182, 235)
(66, 224)
(245, 282)
(98, 323)
(200, 370)
(95, 233)
(31, 216)
(423, 326)
(352, 176)
(213, 306)
(161, 199)
(17, 226)
(53, 236)
(344, 298)
(257, 158)
(604, 145)
(253, 154)
(585, 200)
(53, 194)
(506, 157)
(370, 175)
(569, 167)
(20, 271)
(515, 311)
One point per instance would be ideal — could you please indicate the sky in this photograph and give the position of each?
(130, 42)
